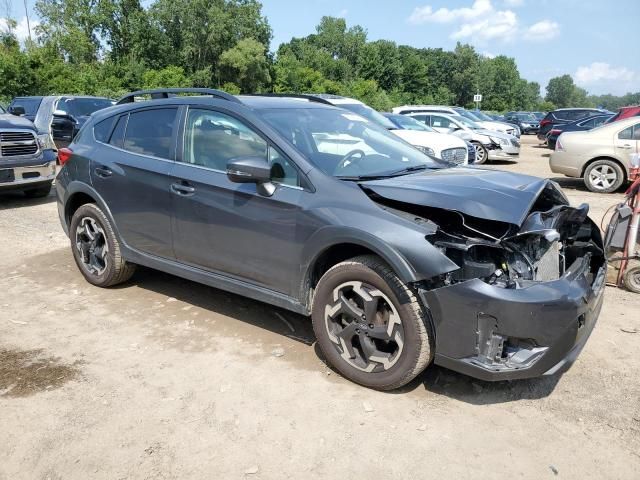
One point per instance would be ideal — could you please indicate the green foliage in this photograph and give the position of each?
(108, 47)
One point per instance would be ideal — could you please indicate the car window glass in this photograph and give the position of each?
(282, 170)
(117, 137)
(636, 132)
(150, 132)
(84, 106)
(440, 122)
(626, 134)
(102, 129)
(212, 139)
(30, 105)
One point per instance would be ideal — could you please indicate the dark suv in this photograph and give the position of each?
(563, 116)
(399, 259)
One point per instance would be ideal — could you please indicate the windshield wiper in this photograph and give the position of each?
(413, 168)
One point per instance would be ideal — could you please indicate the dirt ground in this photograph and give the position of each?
(163, 378)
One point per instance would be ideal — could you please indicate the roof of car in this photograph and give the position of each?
(259, 102)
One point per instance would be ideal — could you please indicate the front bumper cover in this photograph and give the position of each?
(552, 320)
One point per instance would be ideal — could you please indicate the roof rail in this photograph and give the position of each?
(307, 96)
(168, 92)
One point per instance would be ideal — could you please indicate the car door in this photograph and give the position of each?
(627, 143)
(230, 228)
(130, 171)
(62, 124)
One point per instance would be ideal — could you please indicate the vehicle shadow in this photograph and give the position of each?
(434, 379)
(219, 302)
(11, 200)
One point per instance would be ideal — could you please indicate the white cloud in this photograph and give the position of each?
(444, 15)
(598, 71)
(488, 54)
(600, 77)
(542, 31)
(21, 31)
(482, 22)
(501, 25)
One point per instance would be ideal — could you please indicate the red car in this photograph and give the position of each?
(625, 112)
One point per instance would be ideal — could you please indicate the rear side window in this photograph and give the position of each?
(117, 137)
(630, 133)
(150, 132)
(102, 129)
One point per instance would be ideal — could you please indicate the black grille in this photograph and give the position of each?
(13, 144)
(16, 137)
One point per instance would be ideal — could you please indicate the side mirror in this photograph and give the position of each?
(64, 115)
(252, 170)
(17, 110)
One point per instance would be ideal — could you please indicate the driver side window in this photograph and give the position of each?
(212, 139)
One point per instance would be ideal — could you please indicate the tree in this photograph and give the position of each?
(560, 91)
(247, 64)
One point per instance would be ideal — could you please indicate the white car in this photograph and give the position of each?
(450, 148)
(459, 111)
(446, 146)
(602, 156)
(489, 144)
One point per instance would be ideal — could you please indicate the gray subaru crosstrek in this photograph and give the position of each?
(399, 258)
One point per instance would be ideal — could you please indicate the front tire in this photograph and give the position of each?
(482, 154)
(96, 249)
(603, 176)
(370, 326)
(631, 278)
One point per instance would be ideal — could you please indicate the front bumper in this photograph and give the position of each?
(493, 333)
(17, 174)
(503, 152)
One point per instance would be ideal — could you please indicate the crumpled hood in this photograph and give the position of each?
(8, 121)
(488, 194)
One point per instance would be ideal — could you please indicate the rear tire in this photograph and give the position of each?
(96, 249)
(603, 176)
(370, 326)
(38, 192)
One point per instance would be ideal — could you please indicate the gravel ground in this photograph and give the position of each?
(164, 378)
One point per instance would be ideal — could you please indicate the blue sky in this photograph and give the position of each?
(595, 41)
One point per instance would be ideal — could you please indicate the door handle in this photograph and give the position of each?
(103, 172)
(182, 188)
(626, 146)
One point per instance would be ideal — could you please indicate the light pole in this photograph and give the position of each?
(26, 14)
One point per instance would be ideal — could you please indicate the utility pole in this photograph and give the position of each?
(26, 14)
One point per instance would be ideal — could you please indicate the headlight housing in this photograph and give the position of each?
(499, 141)
(46, 142)
(427, 150)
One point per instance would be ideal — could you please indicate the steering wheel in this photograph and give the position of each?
(349, 156)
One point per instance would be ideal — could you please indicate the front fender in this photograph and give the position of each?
(407, 251)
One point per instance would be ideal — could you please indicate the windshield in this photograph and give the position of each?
(469, 123)
(368, 113)
(482, 116)
(346, 145)
(82, 107)
(468, 115)
(408, 123)
(526, 117)
(30, 104)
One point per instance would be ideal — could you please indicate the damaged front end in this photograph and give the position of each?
(525, 297)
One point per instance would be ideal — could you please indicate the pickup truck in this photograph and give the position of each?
(27, 158)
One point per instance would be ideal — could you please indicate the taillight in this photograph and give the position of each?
(545, 122)
(64, 154)
(555, 131)
(559, 146)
